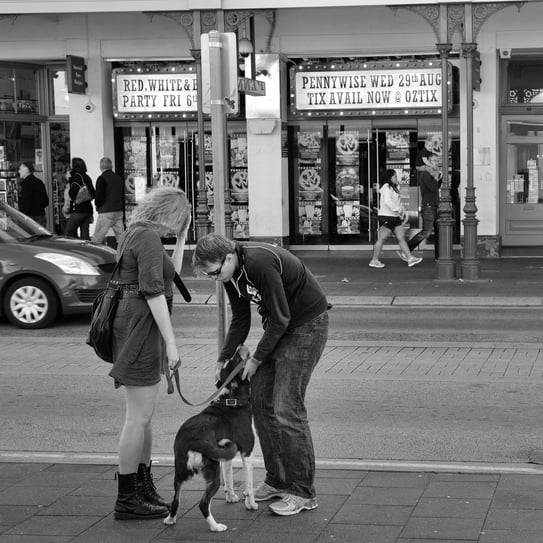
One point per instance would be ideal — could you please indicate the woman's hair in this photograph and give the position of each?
(78, 164)
(29, 165)
(210, 249)
(389, 174)
(165, 209)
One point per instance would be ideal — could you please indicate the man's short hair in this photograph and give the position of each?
(105, 163)
(210, 249)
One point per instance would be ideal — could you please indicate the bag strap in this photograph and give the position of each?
(128, 237)
(175, 373)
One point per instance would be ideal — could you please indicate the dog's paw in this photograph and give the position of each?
(250, 503)
(170, 521)
(217, 527)
(231, 497)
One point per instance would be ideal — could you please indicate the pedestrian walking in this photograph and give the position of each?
(109, 202)
(81, 193)
(144, 344)
(33, 197)
(295, 321)
(391, 217)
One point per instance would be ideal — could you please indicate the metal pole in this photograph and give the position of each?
(218, 132)
(446, 267)
(470, 263)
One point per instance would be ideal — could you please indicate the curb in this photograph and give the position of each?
(322, 463)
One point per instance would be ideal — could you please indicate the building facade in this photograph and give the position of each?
(351, 90)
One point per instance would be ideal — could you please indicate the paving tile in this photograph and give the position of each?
(385, 496)
(480, 490)
(27, 495)
(518, 499)
(13, 514)
(515, 519)
(56, 478)
(397, 479)
(343, 533)
(442, 528)
(109, 530)
(335, 486)
(525, 482)
(467, 477)
(52, 525)
(78, 468)
(433, 540)
(506, 536)
(451, 507)
(384, 515)
(36, 538)
(79, 506)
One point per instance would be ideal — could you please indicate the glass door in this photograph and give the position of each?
(521, 183)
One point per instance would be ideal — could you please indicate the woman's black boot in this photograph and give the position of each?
(147, 488)
(130, 505)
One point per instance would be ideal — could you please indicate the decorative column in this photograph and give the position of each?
(446, 266)
(470, 263)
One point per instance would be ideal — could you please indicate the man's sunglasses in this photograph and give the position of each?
(216, 272)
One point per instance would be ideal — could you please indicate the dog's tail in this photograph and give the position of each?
(222, 450)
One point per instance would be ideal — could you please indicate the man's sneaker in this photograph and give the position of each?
(266, 492)
(401, 254)
(413, 261)
(376, 264)
(292, 505)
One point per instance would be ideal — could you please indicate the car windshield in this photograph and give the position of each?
(17, 227)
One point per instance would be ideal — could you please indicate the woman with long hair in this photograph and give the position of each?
(80, 213)
(144, 344)
(391, 217)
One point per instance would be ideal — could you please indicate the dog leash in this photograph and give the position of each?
(175, 374)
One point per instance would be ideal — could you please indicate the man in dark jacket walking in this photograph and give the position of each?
(33, 197)
(109, 201)
(294, 314)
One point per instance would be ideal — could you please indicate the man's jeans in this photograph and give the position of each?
(429, 223)
(278, 393)
(105, 221)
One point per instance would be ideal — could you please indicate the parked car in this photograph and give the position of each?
(44, 276)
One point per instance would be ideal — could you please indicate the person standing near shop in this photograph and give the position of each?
(144, 343)
(429, 178)
(33, 197)
(109, 202)
(294, 313)
(81, 212)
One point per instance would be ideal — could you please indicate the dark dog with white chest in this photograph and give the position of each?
(206, 444)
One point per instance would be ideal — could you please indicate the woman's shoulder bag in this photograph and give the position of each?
(83, 194)
(104, 307)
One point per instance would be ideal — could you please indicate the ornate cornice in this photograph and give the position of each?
(456, 16)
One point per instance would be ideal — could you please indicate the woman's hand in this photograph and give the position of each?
(174, 360)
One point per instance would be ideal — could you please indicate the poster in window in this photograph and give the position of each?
(309, 146)
(347, 147)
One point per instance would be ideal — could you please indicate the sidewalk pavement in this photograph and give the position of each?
(73, 502)
(58, 499)
(348, 280)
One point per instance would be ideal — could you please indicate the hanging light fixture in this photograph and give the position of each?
(245, 45)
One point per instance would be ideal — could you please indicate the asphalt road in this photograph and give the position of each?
(352, 418)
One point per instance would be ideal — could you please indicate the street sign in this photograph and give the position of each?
(229, 69)
(75, 76)
(252, 87)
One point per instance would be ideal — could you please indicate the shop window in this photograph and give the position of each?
(18, 90)
(60, 96)
(524, 81)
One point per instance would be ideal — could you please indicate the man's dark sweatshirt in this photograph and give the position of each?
(286, 292)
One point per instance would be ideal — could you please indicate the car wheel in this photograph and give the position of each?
(30, 303)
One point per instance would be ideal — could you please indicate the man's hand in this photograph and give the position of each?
(251, 366)
(218, 368)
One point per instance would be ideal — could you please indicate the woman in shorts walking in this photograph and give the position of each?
(391, 219)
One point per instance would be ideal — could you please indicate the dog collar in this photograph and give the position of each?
(231, 402)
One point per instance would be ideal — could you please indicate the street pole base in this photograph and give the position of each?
(446, 269)
(470, 270)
